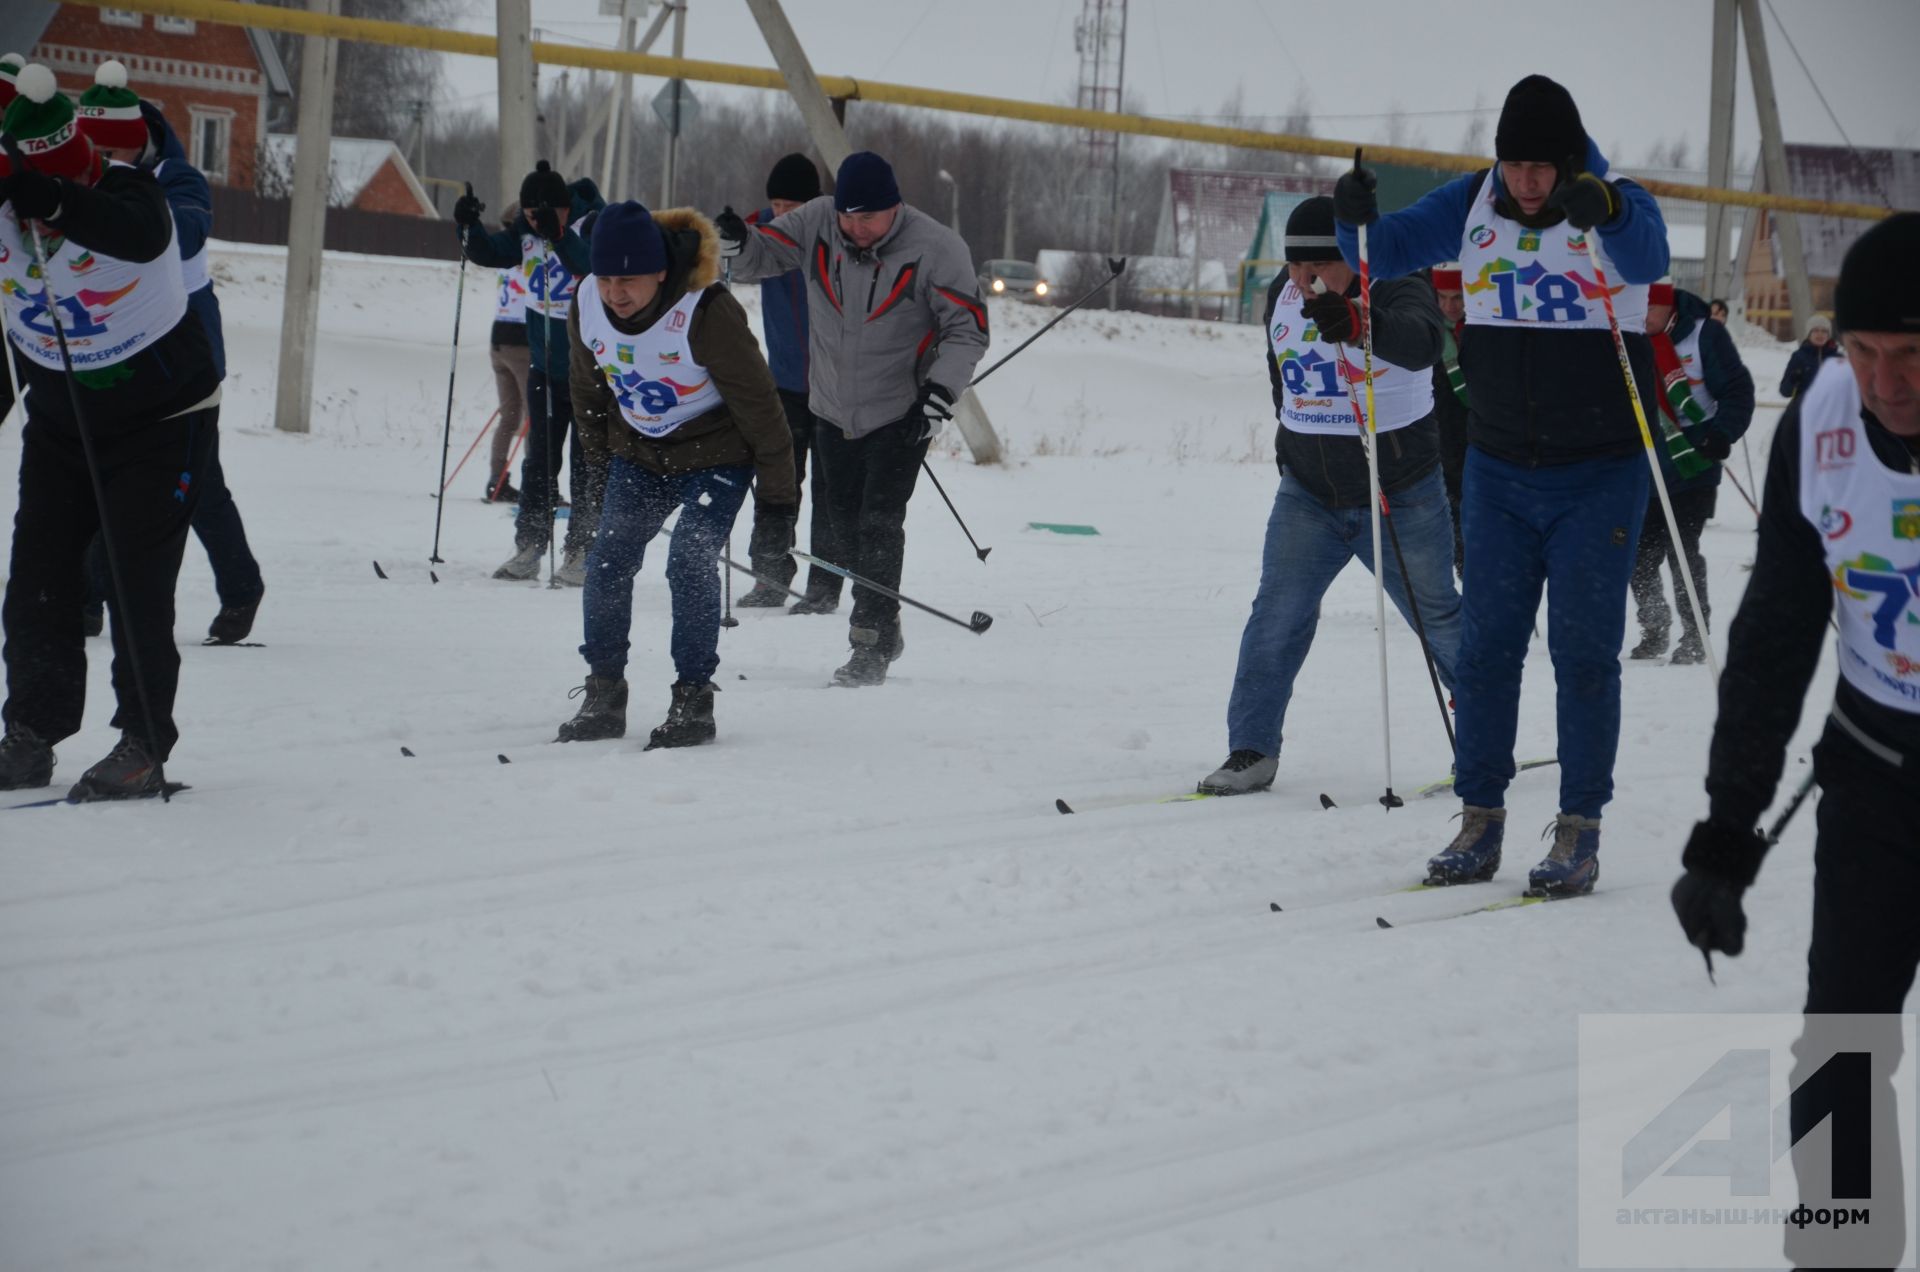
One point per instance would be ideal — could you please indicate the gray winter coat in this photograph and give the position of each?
(882, 322)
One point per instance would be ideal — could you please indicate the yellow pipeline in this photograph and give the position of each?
(374, 31)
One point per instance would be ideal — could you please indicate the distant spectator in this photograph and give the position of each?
(1718, 311)
(1806, 360)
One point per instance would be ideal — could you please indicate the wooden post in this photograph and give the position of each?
(307, 227)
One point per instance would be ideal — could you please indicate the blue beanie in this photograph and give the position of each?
(865, 184)
(626, 241)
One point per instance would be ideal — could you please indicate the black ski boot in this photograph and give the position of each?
(129, 771)
(1653, 644)
(872, 654)
(689, 719)
(233, 623)
(603, 715)
(26, 760)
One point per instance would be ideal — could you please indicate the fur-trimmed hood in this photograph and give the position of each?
(693, 250)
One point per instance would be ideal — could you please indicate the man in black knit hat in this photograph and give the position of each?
(1321, 512)
(1556, 478)
(783, 320)
(547, 244)
(1839, 541)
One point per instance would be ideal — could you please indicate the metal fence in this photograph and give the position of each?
(244, 217)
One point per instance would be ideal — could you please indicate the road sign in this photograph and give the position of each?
(663, 105)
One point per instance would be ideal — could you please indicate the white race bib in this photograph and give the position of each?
(1516, 276)
(1316, 380)
(1869, 522)
(549, 285)
(655, 381)
(510, 305)
(108, 309)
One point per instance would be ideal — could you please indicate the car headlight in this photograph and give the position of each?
(1039, 289)
(999, 284)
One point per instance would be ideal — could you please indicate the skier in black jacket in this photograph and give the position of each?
(144, 376)
(1840, 541)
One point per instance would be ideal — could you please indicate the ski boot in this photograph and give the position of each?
(1244, 772)
(523, 564)
(573, 571)
(1653, 644)
(689, 719)
(1572, 866)
(26, 760)
(234, 622)
(816, 601)
(1689, 651)
(1474, 854)
(129, 771)
(602, 715)
(871, 656)
(504, 492)
(763, 594)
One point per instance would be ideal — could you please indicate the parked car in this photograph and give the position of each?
(1016, 280)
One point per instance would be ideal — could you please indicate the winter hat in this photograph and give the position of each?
(10, 65)
(1539, 124)
(865, 184)
(1310, 232)
(1878, 282)
(42, 121)
(544, 188)
(1446, 278)
(794, 177)
(110, 111)
(1821, 323)
(1660, 294)
(626, 241)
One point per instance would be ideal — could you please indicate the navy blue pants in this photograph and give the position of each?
(637, 503)
(1572, 529)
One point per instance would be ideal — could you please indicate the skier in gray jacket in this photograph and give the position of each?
(896, 327)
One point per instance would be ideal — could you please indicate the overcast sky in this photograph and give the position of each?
(1638, 68)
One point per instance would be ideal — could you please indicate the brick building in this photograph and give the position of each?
(215, 82)
(363, 173)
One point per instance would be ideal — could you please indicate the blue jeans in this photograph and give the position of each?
(1307, 546)
(637, 504)
(1574, 529)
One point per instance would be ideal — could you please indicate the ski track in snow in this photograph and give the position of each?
(843, 991)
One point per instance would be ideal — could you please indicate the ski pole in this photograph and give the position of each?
(1743, 491)
(455, 474)
(1115, 265)
(1646, 440)
(446, 433)
(1388, 800)
(978, 551)
(726, 618)
(551, 480)
(977, 624)
(123, 624)
(1406, 578)
(1779, 826)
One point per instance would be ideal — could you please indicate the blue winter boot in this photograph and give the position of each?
(1572, 866)
(1474, 854)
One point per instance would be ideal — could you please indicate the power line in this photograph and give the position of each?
(888, 60)
(1871, 175)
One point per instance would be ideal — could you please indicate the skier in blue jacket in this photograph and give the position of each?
(1555, 482)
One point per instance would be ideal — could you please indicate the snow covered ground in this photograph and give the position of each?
(844, 991)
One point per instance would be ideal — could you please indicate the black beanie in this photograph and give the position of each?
(1879, 287)
(544, 188)
(795, 178)
(1540, 124)
(1310, 232)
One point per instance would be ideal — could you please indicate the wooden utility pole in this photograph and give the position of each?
(515, 23)
(830, 139)
(1726, 41)
(672, 149)
(307, 227)
(1773, 154)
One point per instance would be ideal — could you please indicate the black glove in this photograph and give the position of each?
(732, 231)
(545, 223)
(34, 194)
(928, 412)
(784, 512)
(1586, 201)
(467, 208)
(1337, 317)
(1353, 198)
(1714, 445)
(1721, 863)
